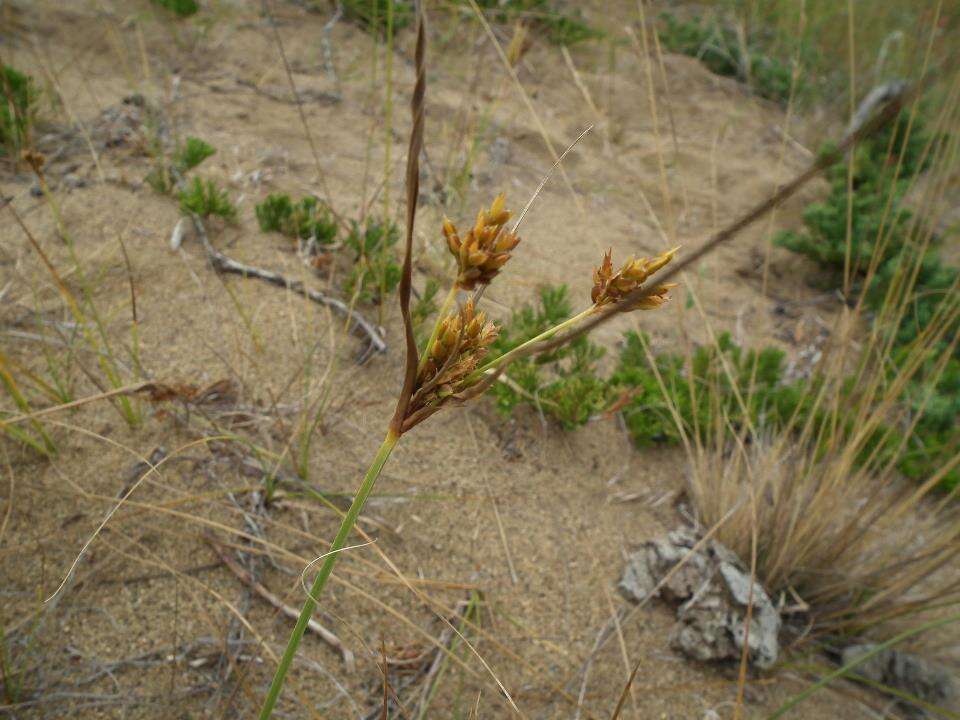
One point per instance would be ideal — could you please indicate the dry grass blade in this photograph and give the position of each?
(222, 263)
(626, 692)
(248, 579)
(889, 112)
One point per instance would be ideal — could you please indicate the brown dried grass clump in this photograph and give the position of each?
(848, 549)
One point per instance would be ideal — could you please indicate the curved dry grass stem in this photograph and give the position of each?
(826, 160)
(151, 469)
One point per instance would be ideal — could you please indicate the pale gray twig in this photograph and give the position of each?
(222, 263)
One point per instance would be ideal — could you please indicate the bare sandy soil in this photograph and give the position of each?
(530, 522)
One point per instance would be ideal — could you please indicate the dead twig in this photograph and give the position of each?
(222, 263)
(247, 579)
(321, 97)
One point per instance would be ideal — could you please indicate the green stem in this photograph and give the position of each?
(507, 357)
(349, 520)
(845, 670)
(444, 309)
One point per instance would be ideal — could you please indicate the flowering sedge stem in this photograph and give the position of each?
(346, 526)
(545, 335)
(444, 310)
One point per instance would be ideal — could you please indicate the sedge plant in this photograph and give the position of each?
(451, 370)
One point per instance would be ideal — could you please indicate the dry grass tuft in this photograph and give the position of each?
(846, 549)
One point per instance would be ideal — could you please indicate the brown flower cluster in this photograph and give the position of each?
(462, 341)
(611, 287)
(485, 248)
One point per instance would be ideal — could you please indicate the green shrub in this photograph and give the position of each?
(375, 272)
(908, 291)
(561, 26)
(372, 14)
(563, 384)
(421, 311)
(165, 175)
(205, 198)
(878, 221)
(193, 152)
(305, 220)
(705, 396)
(18, 102)
(936, 285)
(775, 405)
(719, 48)
(936, 438)
(180, 8)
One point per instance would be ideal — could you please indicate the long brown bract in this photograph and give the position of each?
(413, 192)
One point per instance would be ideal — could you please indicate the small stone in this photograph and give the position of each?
(636, 583)
(906, 672)
(712, 590)
(73, 181)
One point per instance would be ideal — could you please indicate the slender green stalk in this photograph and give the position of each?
(349, 520)
(545, 335)
(845, 670)
(444, 309)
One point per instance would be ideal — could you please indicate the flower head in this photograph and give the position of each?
(612, 287)
(462, 341)
(485, 248)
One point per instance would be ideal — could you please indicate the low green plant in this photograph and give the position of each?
(422, 310)
(375, 272)
(372, 14)
(562, 384)
(703, 394)
(18, 105)
(934, 283)
(722, 51)
(37, 437)
(193, 152)
(864, 223)
(165, 175)
(696, 397)
(180, 8)
(863, 217)
(205, 198)
(307, 219)
(936, 437)
(561, 26)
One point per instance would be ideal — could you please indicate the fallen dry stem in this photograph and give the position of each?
(249, 580)
(222, 263)
(825, 161)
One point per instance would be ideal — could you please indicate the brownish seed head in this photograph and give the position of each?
(485, 248)
(611, 287)
(462, 342)
(34, 159)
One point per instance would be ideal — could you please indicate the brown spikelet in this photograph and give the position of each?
(611, 287)
(485, 248)
(463, 340)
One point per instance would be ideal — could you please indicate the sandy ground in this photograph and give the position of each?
(529, 522)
